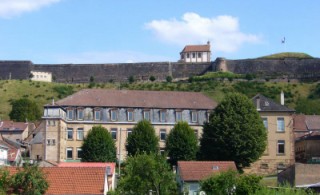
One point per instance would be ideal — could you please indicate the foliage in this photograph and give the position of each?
(181, 143)
(152, 78)
(250, 77)
(98, 146)
(307, 106)
(63, 90)
(251, 89)
(216, 75)
(286, 190)
(220, 184)
(142, 139)
(91, 79)
(30, 180)
(287, 55)
(23, 109)
(169, 79)
(131, 79)
(4, 180)
(144, 172)
(315, 93)
(248, 184)
(234, 132)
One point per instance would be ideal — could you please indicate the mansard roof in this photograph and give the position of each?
(196, 48)
(269, 105)
(138, 99)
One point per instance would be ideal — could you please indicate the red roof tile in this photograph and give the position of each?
(88, 164)
(313, 122)
(10, 125)
(138, 99)
(199, 170)
(299, 122)
(196, 48)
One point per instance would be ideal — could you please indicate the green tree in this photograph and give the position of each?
(234, 132)
(152, 78)
(98, 146)
(142, 139)
(169, 79)
(29, 180)
(181, 143)
(145, 172)
(24, 109)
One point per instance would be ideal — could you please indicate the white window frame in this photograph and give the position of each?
(80, 134)
(129, 131)
(69, 149)
(163, 132)
(146, 115)
(70, 113)
(130, 115)
(97, 115)
(113, 115)
(68, 130)
(178, 113)
(82, 114)
(78, 149)
(265, 122)
(280, 124)
(281, 143)
(194, 116)
(114, 130)
(163, 116)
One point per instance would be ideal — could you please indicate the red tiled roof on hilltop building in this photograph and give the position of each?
(196, 48)
(198, 170)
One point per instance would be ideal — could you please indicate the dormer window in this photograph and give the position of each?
(80, 113)
(163, 116)
(146, 115)
(194, 116)
(199, 55)
(178, 116)
(130, 115)
(113, 114)
(97, 115)
(70, 114)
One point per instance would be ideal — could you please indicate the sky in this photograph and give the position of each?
(126, 31)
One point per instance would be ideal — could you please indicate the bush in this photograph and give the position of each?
(169, 79)
(152, 78)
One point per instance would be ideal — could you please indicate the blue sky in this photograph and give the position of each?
(103, 31)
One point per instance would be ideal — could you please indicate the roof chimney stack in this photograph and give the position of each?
(53, 101)
(282, 98)
(208, 42)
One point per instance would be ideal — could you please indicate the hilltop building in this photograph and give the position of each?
(69, 120)
(41, 76)
(196, 53)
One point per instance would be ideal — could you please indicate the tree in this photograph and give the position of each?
(98, 146)
(30, 180)
(181, 143)
(142, 139)
(145, 172)
(152, 78)
(234, 132)
(24, 109)
(169, 79)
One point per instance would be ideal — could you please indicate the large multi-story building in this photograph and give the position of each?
(69, 120)
(278, 121)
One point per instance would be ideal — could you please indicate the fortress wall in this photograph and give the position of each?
(17, 69)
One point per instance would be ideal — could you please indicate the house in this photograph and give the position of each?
(41, 76)
(17, 131)
(10, 152)
(3, 154)
(78, 180)
(69, 120)
(190, 173)
(196, 53)
(305, 125)
(278, 121)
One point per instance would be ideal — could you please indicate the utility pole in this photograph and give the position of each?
(119, 163)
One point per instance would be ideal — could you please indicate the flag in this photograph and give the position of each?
(283, 40)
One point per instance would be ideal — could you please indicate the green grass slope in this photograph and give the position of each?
(287, 55)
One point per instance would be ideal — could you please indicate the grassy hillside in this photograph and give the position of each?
(303, 96)
(287, 55)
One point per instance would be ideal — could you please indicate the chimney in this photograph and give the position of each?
(208, 43)
(53, 101)
(258, 103)
(282, 98)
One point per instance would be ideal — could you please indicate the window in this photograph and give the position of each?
(69, 133)
(113, 115)
(163, 116)
(51, 122)
(163, 134)
(281, 148)
(69, 153)
(265, 122)
(182, 56)
(48, 142)
(80, 134)
(129, 131)
(162, 151)
(146, 115)
(114, 133)
(79, 153)
(196, 133)
(53, 141)
(130, 115)
(97, 114)
(194, 117)
(193, 55)
(80, 114)
(188, 55)
(280, 124)
(178, 116)
(264, 166)
(70, 114)
(199, 55)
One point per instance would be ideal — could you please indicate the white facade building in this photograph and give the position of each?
(196, 53)
(41, 76)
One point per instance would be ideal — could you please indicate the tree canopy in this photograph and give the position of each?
(24, 109)
(144, 172)
(142, 139)
(181, 143)
(234, 132)
(98, 146)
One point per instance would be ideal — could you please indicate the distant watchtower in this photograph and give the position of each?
(196, 53)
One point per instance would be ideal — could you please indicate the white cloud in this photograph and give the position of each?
(10, 8)
(108, 57)
(223, 31)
